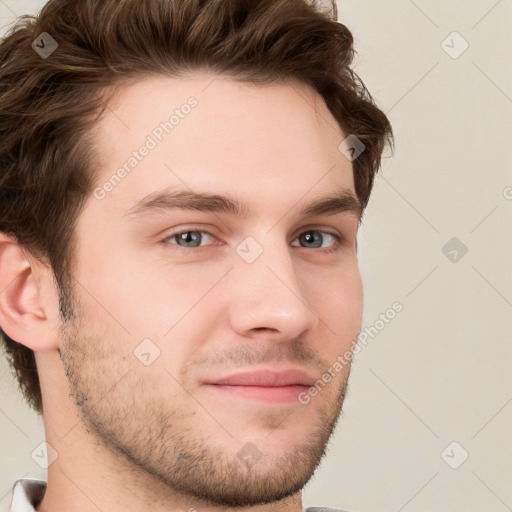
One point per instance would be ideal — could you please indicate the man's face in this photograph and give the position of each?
(158, 315)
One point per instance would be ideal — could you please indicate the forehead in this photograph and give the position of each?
(208, 132)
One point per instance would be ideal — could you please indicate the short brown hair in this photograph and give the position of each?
(49, 103)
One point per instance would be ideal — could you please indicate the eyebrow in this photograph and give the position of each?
(165, 200)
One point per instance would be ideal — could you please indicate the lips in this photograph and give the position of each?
(266, 378)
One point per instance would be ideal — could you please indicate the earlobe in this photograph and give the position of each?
(22, 314)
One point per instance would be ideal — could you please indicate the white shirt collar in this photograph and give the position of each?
(27, 493)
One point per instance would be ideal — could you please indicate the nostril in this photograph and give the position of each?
(264, 329)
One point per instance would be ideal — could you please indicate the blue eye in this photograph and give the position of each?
(189, 239)
(317, 237)
(312, 239)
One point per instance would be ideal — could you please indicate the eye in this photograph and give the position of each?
(315, 238)
(189, 239)
(311, 239)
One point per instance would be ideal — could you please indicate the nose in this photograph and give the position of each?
(268, 296)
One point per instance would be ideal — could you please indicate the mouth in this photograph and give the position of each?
(277, 394)
(266, 385)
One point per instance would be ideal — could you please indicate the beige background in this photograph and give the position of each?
(439, 372)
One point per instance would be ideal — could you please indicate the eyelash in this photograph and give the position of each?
(334, 248)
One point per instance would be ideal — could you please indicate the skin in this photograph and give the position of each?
(130, 436)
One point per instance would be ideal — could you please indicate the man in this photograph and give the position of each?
(182, 184)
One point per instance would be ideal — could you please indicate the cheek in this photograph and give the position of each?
(340, 286)
(352, 294)
(172, 298)
(339, 304)
(148, 298)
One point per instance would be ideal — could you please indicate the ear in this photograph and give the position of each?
(28, 299)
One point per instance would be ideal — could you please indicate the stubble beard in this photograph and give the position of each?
(143, 433)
